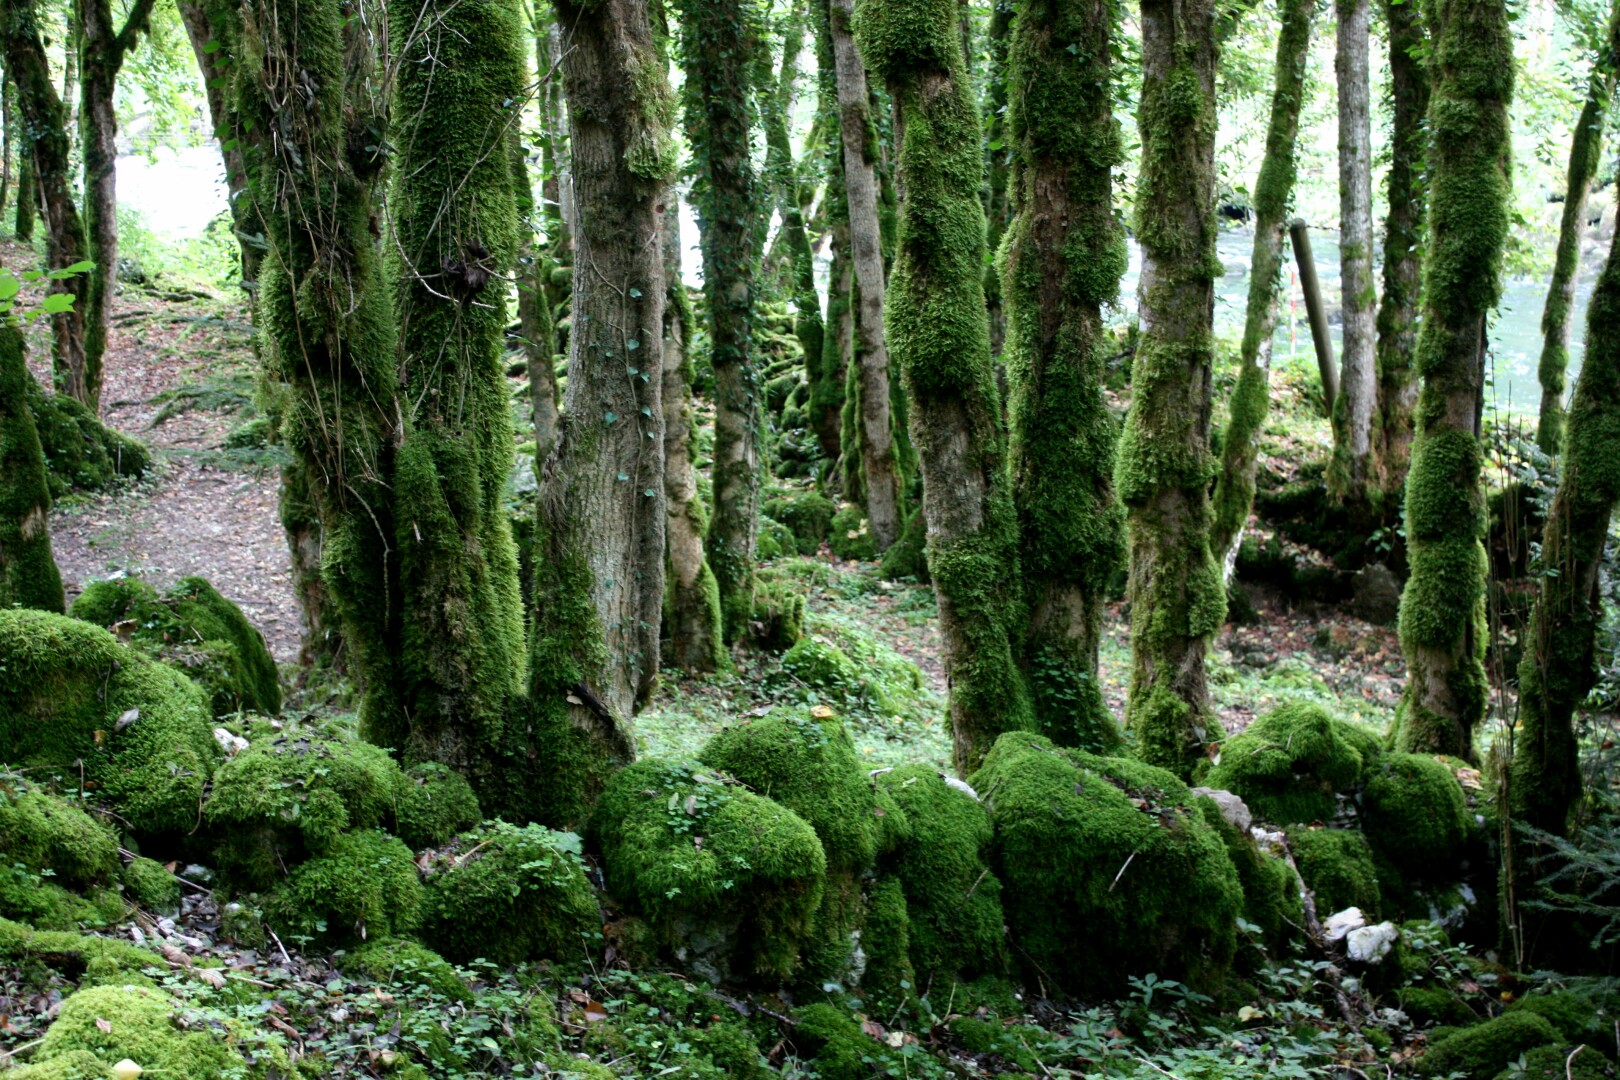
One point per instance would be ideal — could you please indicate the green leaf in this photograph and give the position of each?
(57, 303)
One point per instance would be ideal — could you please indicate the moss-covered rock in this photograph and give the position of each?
(83, 959)
(907, 557)
(1486, 1049)
(50, 834)
(148, 884)
(435, 803)
(1337, 866)
(1557, 1063)
(70, 693)
(1414, 813)
(889, 981)
(808, 515)
(849, 534)
(293, 792)
(195, 629)
(775, 540)
(1429, 1005)
(777, 622)
(1109, 869)
(82, 453)
(1288, 764)
(395, 962)
(1271, 898)
(363, 885)
(1577, 1018)
(507, 894)
(837, 1048)
(730, 880)
(823, 667)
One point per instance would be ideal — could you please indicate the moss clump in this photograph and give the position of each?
(507, 894)
(808, 515)
(1271, 900)
(1428, 1005)
(778, 619)
(1578, 1019)
(823, 667)
(392, 962)
(775, 540)
(45, 832)
(81, 453)
(837, 1048)
(1288, 765)
(1486, 1049)
(293, 793)
(363, 885)
(730, 879)
(435, 803)
(953, 899)
(1337, 866)
(1556, 1063)
(70, 694)
(850, 535)
(1108, 868)
(908, 556)
(195, 629)
(889, 981)
(28, 573)
(83, 959)
(148, 884)
(1415, 815)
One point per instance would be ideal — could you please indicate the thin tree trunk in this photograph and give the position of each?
(880, 479)
(695, 634)
(1403, 240)
(1585, 155)
(599, 545)
(8, 121)
(1062, 261)
(1175, 589)
(534, 312)
(557, 188)
(940, 336)
(998, 204)
(1442, 621)
(1273, 191)
(1353, 471)
(838, 330)
(27, 193)
(28, 574)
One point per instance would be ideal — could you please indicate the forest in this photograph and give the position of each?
(809, 538)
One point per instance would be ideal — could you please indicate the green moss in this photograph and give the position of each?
(1337, 866)
(1108, 867)
(28, 574)
(294, 792)
(82, 453)
(1577, 1018)
(775, 541)
(728, 877)
(148, 884)
(64, 688)
(1557, 1063)
(824, 667)
(850, 534)
(778, 619)
(83, 959)
(1486, 1049)
(908, 556)
(434, 804)
(1271, 899)
(364, 884)
(889, 981)
(393, 962)
(506, 893)
(1288, 765)
(837, 1048)
(1415, 815)
(808, 514)
(45, 832)
(1429, 1005)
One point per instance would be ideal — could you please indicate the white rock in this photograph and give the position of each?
(1233, 809)
(959, 785)
(1341, 923)
(232, 744)
(1370, 944)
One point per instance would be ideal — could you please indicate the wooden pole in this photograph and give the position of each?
(1299, 232)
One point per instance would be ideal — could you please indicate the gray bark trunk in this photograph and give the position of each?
(1353, 469)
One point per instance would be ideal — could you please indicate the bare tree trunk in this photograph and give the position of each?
(1175, 590)
(881, 480)
(1442, 623)
(1273, 191)
(998, 204)
(599, 545)
(1353, 472)
(1403, 241)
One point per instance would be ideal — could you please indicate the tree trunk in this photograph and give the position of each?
(599, 544)
(27, 194)
(693, 608)
(1175, 589)
(1353, 472)
(534, 312)
(838, 331)
(321, 646)
(1273, 191)
(998, 206)
(1063, 256)
(1585, 154)
(28, 574)
(1403, 240)
(557, 187)
(46, 122)
(939, 332)
(8, 121)
(720, 44)
(1442, 620)
(880, 479)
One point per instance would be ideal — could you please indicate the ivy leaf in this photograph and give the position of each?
(609, 417)
(635, 294)
(632, 345)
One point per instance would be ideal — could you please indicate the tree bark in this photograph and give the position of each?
(998, 204)
(1403, 240)
(939, 333)
(1273, 191)
(599, 545)
(1164, 461)
(1442, 623)
(533, 310)
(880, 479)
(838, 330)
(1353, 472)
(8, 121)
(28, 574)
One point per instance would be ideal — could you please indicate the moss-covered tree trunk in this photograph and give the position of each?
(8, 134)
(1585, 155)
(1352, 477)
(28, 574)
(1164, 464)
(838, 332)
(1442, 623)
(1061, 262)
(720, 41)
(998, 163)
(45, 120)
(599, 546)
(27, 194)
(535, 327)
(880, 479)
(1273, 191)
(1403, 244)
(938, 332)
(692, 608)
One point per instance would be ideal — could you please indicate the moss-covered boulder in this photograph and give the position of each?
(1580, 1062)
(1288, 765)
(838, 1048)
(1338, 867)
(72, 696)
(1578, 1018)
(1486, 1049)
(730, 880)
(149, 884)
(1272, 904)
(195, 629)
(292, 793)
(507, 894)
(363, 885)
(435, 803)
(50, 834)
(1430, 1005)
(81, 959)
(777, 621)
(808, 514)
(397, 962)
(849, 534)
(775, 540)
(1414, 813)
(82, 453)
(1108, 868)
